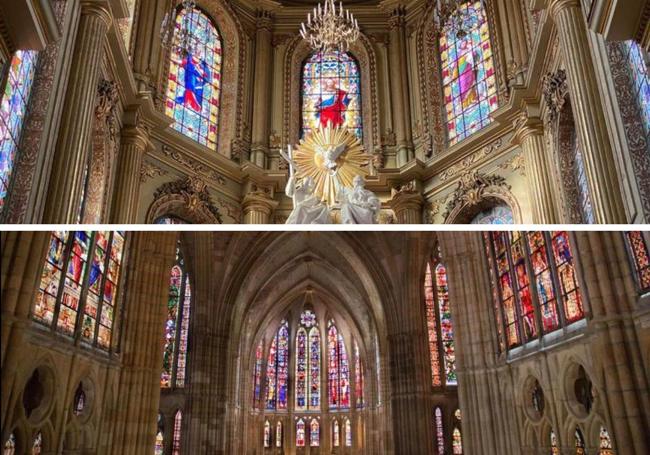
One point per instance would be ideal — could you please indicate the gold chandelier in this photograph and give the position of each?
(184, 42)
(328, 29)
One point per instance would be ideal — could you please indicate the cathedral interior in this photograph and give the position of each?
(159, 111)
(521, 342)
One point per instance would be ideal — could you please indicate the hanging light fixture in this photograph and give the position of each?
(185, 42)
(329, 29)
(458, 15)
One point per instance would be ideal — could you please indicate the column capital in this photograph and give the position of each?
(264, 20)
(99, 8)
(526, 126)
(557, 6)
(407, 201)
(137, 136)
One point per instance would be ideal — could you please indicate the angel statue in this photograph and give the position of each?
(358, 205)
(307, 207)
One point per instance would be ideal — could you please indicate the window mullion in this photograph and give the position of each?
(67, 254)
(84, 287)
(100, 301)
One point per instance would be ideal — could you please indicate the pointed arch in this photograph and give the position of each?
(336, 433)
(440, 434)
(176, 436)
(300, 433)
(314, 433)
(348, 432)
(278, 434)
(277, 369)
(267, 434)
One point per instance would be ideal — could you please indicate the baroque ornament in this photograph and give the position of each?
(472, 188)
(192, 194)
(555, 89)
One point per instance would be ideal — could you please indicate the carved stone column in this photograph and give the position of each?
(147, 52)
(71, 153)
(258, 204)
(514, 39)
(262, 94)
(588, 110)
(135, 143)
(399, 86)
(407, 202)
(529, 133)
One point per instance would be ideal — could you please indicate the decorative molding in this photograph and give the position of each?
(187, 198)
(516, 163)
(474, 188)
(555, 90)
(433, 209)
(149, 171)
(470, 160)
(195, 166)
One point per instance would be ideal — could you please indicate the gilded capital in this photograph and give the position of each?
(526, 126)
(97, 8)
(555, 7)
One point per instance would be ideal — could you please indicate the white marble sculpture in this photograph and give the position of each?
(358, 205)
(307, 208)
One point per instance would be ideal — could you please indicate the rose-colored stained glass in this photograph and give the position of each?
(641, 256)
(277, 369)
(446, 325)
(526, 305)
(432, 330)
(301, 369)
(569, 288)
(543, 280)
(495, 295)
(468, 74)
(314, 368)
(300, 433)
(257, 375)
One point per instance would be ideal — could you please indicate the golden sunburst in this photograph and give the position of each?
(311, 158)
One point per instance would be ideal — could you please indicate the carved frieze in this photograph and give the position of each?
(472, 188)
(187, 198)
(195, 166)
(470, 160)
(555, 90)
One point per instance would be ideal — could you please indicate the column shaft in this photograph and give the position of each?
(135, 141)
(71, 154)
(262, 91)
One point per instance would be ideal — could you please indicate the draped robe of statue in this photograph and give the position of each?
(307, 208)
(358, 205)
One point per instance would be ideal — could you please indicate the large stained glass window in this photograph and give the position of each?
(314, 433)
(359, 377)
(638, 243)
(536, 289)
(70, 285)
(331, 92)
(641, 79)
(308, 363)
(194, 83)
(440, 327)
(277, 369)
(300, 433)
(257, 375)
(440, 434)
(13, 109)
(468, 75)
(176, 326)
(338, 371)
(176, 437)
(605, 446)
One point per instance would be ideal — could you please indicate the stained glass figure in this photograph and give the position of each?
(314, 368)
(526, 306)
(336, 433)
(257, 375)
(456, 442)
(605, 445)
(278, 434)
(10, 445)
(432, 329)
(446, 325)
(314, 433)
(14, 101)
(177, 325)
(300, 433)
(348, 433)
(440, 434)
(641, 257)
(69, 270)
(277, 369)
(267, 434)
(176, 439)
(569, 287)
(468, 75)
(543, 281)
(37, 445)
(358, 378)
(331, 92)
(555, 448)
(580, 442)
(194, 82)
(499, 214)
(301, 369)
(338, 371)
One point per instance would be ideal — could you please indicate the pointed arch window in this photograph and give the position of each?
(580, 442)
(331, 92)
(555, 448)
(257, 375)
(307, 363)
(267, 434)
(336, 433)
(440, 434)
(456, 437)
(468, 74)
(177, 325)
(440, 327)
(300, 433)
(314, 433)
(605, 446)
(338, 371)
(278, 434)
(176, 439)
(277, 369)
(14, 101)
(194, 82)
(159, 443)
(535, 283)
(37, 445)
(10, 445)
(348, 433)
(358, 378)
(638, 244)
(77, 293)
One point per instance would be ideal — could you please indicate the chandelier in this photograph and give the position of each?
(184, 44)
(329, 29)
(458, 15)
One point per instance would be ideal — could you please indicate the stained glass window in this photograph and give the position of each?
(440, 434)
(277, 369)
(499, 214)
(336, 433)
(10, 445)
(638, 245)
(37, 445)
(13, 110)
(641, 78)
(67, 277)
(468, 75)
(495, 297)
(537, 290)
(580, 174)
(257, 375)
(456, 442)
(278, 434)
(314, 433)
(348, 433)
(177, 325)
(358, 378)
(331, 92)
(338, 371)
(580, 442)
(301, 369)
(605, 445)
(308, 363)
(176, 439)
(159, 443)
(194, 83)
(555, 448)
(440, 327)
(300, 433)
(267, 434)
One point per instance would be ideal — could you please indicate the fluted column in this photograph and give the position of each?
(262, 90)
(588, 111)
(71, 153)
(152, 254)
(147, 51)
(407, 203)
(513, 33)
(134, 145)
(529, 133)
(399, 86)
(258, 208)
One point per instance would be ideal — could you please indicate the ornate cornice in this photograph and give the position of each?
(555, 90)
(472, 188)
